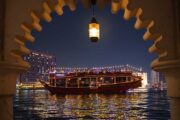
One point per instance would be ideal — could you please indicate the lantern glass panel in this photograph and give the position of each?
(94, 30)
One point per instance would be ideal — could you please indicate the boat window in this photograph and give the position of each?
(124, 78)
(119, 79)
(108, 80)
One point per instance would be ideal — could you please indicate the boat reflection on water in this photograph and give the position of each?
(136, 106)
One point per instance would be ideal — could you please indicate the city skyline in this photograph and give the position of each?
(39, 62)
(119, 42)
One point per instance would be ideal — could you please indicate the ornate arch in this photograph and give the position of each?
(132, 8)
(160, 18)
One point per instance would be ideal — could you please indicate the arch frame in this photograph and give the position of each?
(162, 26)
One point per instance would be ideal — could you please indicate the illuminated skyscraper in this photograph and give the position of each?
(145, 80)
(158, 79)
(39, 62)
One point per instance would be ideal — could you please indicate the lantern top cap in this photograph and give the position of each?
(93, 2)
(93, 20)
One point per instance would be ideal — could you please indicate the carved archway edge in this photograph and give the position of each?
(130, 10)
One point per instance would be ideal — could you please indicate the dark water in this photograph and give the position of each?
(40, 105)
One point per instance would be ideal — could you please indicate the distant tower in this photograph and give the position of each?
(40, 62)
(145, 80)
(158, 79)
(155, 78)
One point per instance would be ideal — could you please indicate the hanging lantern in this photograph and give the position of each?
(94, 27)
(94, 30)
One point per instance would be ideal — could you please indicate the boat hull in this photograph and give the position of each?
(110, 88)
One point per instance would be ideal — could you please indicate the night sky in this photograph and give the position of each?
(66, 37)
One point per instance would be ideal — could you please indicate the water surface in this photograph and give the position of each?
(41, 105)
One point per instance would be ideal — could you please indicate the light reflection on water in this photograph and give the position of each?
(40, 105)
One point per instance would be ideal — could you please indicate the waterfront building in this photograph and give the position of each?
(40, 62)
(158, 80)
(145, 80)
(154, 78)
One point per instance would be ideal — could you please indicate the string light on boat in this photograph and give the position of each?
(94, 27)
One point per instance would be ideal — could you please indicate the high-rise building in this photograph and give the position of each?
(158, 79)
(154, 77)
(40, 62)
(145, 80)
(144, 76)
